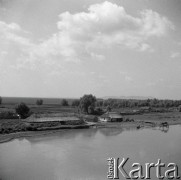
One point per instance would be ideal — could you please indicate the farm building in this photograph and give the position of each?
(111, 117)
(59, 120)
(52, 119)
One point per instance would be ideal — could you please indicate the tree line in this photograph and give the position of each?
(132, 103)
(89, 104)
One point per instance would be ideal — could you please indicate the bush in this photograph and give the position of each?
(8, 115)
(39, 102)
(23, 110)
(0, 99)
(76, 102)
(64, 102)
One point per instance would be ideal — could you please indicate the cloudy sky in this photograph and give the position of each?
(67, 48)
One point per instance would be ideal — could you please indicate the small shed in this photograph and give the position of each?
(111, 117)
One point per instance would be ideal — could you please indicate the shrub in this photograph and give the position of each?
(39, 102)
(23, 110)
(76, 102)
(8, 115)
(64, 102)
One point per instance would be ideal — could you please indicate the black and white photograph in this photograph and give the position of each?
(90, 89)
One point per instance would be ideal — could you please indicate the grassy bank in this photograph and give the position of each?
(15, 127)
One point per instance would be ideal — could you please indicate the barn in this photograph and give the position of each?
(111, 117)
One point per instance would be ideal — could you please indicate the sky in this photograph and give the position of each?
(68, 48)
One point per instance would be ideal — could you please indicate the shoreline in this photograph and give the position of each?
(135, 125)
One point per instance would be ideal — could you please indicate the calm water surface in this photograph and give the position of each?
(82, 154)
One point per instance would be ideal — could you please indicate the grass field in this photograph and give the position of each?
(31, 101)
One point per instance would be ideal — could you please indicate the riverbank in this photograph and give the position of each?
(43, 123)
(138, 124)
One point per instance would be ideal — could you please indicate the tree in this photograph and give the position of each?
(91, 109)
(39, 102)
(98, 111)
(23, 110)
(108, 108)
(76, 102)
(64, 102)
(0, 99)
(86, 101)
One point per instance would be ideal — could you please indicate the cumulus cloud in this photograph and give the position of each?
(106, 25)
(103, 26)
(12, 33)
(84, 34)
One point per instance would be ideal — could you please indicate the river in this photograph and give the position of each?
(82, 154)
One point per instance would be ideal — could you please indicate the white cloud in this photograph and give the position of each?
(83, 35)
(104, 25)
(12, 33)
(175, 55)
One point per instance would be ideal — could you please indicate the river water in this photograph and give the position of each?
(82, 154)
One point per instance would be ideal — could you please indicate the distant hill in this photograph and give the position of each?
(128, 97)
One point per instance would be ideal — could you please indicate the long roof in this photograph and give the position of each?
(111, 115)
(56, 119)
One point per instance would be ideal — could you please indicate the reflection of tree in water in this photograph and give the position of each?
(58, 135)
(116, 131)
(163, 128)
(111, 131)
(90, 132)
(53, 135)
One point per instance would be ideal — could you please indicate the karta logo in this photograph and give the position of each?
(138, 171)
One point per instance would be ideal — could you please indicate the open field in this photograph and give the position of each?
(31, 101)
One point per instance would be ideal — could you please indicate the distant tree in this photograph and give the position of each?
(76, 102)
(23, 110)
(99, 103)
(39, 102)
(0, 99)
(108, 108)
(64, 102)
(87, 101)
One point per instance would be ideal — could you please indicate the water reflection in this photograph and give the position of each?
(111, 131)
(90, 133)
(162, 128)
(82, 154)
